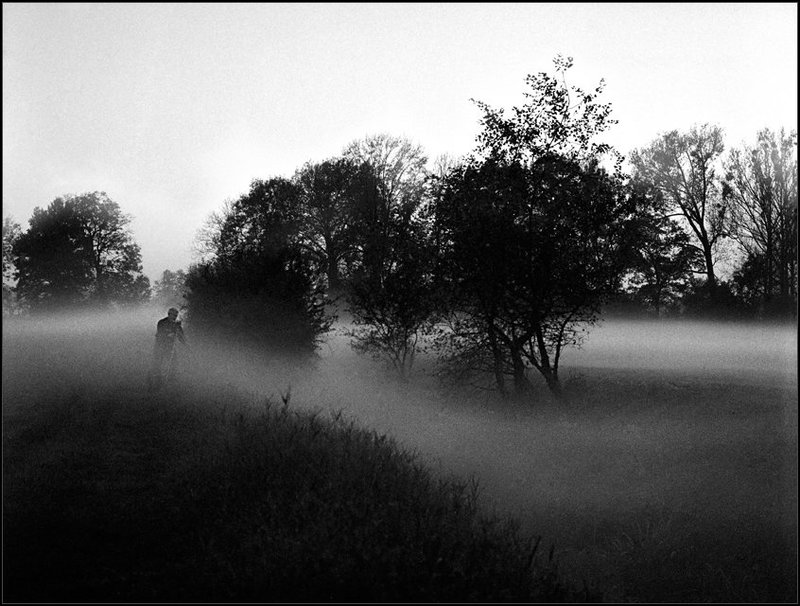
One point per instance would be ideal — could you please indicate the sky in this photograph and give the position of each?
(173, 108)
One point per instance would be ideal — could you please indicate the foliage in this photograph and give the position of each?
(728, 302)
(206, 241)
(749, 287)
(390, 294)
(259, 288)
(328, 225)
(79, 251)
(534, 234)
(663, 260)
(398, 166)
(391, 308)
(169, 291)
(11, 232)
(390, 186)
(557, 119)
(761, 190)
(529, 256)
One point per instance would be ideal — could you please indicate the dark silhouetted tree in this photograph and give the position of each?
(328, 224)
(683, 166)
(531, 253)
(391, 306)
(390, 184)
(761, 191)
(260, 288)
(390, 288)
(79, 251)
(556, 119)
(663, 263)
(534, 234)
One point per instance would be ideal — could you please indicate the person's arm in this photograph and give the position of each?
(180, 334)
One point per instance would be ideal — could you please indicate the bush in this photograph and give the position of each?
(269, 309)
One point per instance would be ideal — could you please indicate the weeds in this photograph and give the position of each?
(650, 530)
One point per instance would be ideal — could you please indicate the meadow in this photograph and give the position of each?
(669, 473)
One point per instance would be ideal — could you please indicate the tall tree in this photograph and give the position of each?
(259, 286)
(663, 261)
(535, 234)
(206, 241)
(531, 253)
(390, 296)
(328, 225)
(557, 119)
(391, 307)
(391, 184)
(398, 164)
(761, 191)
(683, 166)
(77, 251)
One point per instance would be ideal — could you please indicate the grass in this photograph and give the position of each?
(670, 475)
(215, 495)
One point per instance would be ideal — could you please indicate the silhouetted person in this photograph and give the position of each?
(168, 330)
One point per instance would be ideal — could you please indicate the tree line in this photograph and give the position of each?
(495, 261)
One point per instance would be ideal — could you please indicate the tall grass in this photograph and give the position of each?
(204, 497)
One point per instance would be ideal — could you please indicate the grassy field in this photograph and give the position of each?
(670, 474)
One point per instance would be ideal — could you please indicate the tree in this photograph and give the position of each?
(328, 225)
(662, 263)
(398, 165)
(169, 291)
(79, 251)
(260, 287)
(390, 294)
(557, 119)
(683, 168)
(206, 241)
(530, 253)
(11, 232)
(534, 232)
(392, 307)
(761, 191)
(390, 183)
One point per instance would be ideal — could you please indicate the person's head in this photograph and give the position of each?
(172, 313)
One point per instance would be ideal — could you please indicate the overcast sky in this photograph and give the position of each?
(172, 108)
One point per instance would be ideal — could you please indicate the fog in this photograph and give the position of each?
(691, 345)
(661, 417)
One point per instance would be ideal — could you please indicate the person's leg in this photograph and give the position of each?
(156, 375)
(172, 365)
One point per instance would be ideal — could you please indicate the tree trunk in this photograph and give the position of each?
(549, 372)
(497, 356)
(522, 386)
(554, 385)
(711, 277)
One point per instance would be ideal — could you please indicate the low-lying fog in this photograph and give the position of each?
(685, 416)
